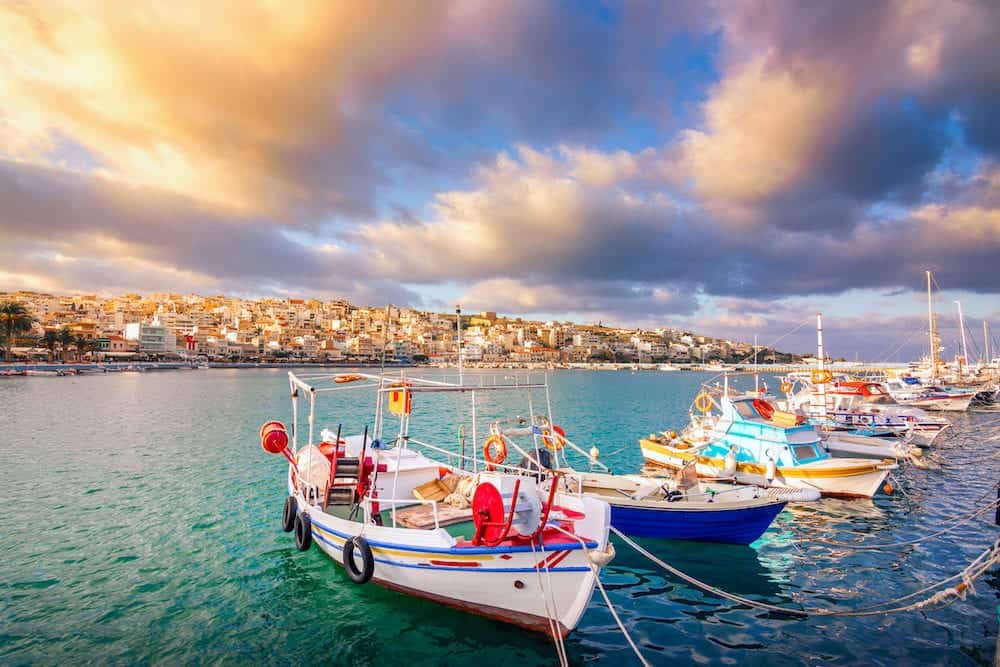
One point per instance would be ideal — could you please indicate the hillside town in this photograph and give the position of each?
(163, 326)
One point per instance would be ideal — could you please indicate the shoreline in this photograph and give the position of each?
(8, 369)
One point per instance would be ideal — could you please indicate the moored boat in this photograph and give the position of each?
(524, 554)
(747, 440)
(657, 507)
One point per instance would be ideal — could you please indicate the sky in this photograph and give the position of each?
(727, 167)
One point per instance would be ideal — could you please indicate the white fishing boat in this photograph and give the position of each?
(834, 401)
(520, 552)
(747, 440)
(860, 405)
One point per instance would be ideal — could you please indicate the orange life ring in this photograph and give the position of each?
(341, 379)
(786, 387)
(703, 402)
(763, 408)
(501, 449)
(555, 439)
(821, 376)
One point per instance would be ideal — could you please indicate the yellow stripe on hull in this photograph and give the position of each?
(801, 472)
(420, 555)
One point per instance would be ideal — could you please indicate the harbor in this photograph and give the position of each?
(500, 333)
(173, 453)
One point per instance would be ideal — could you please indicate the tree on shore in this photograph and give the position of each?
(83, 345)
(50, 341)
(14, 321)
(66, 338)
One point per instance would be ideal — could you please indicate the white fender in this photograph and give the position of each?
(771, 471)
(730, 468)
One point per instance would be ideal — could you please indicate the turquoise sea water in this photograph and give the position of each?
(141, 525)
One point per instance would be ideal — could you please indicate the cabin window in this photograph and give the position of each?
(745, 409)
(874, 389)
(803, 452)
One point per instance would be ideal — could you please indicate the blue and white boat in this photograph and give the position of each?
(698, 511)
(747, 440)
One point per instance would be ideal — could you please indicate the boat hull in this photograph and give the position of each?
(956, 403)
(726, 526)
(846, 481)
(513, 584)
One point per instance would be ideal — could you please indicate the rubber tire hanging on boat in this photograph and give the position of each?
(367, 560)
(288, 514)
(303, 532)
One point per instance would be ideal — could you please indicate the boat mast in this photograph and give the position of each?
(822, 362)
(930, 328)
(756, 376)
(458, 315)
(965, 351)
(986, 346)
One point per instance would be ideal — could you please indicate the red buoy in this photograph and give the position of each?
(273, 437)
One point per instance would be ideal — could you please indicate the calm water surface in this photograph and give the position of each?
(141, 526)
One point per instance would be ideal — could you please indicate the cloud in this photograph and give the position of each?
(825, 109)
(536, 217)
(69, 230)
(626, 162)
(248, 106)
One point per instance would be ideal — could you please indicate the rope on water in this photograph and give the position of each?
(604, 593)
(891, 545)
(551, 613)
(938, 600)
(614, 614)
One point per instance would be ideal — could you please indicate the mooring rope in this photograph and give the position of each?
(614, 615)
(604, 593)
(551, 614)
(890, 545)
(940, 599)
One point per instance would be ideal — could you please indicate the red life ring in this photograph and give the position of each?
(555, 439)
(763, 408)
(501, 449)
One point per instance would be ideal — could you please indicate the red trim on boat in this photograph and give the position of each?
(456, 563)
(527, 621)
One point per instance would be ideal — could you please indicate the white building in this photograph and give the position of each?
(153, 338)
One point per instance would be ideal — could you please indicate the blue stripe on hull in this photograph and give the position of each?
(730, 526)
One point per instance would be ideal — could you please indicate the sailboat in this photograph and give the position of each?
(928, 387)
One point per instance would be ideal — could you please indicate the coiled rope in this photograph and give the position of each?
(938, 600)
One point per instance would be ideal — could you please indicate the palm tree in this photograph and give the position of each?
(50, 341)
(14, 320)
(83, 344)
(66, 338)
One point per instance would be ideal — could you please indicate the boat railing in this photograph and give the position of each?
(395, 502)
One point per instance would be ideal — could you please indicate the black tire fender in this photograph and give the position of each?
(303, 531)
(367, 560)
(288, 514)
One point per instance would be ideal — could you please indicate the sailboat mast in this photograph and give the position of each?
(822, 362)
(756, 376)
(930, 327)
(986, 345)
(458, 314)
(965, 351)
